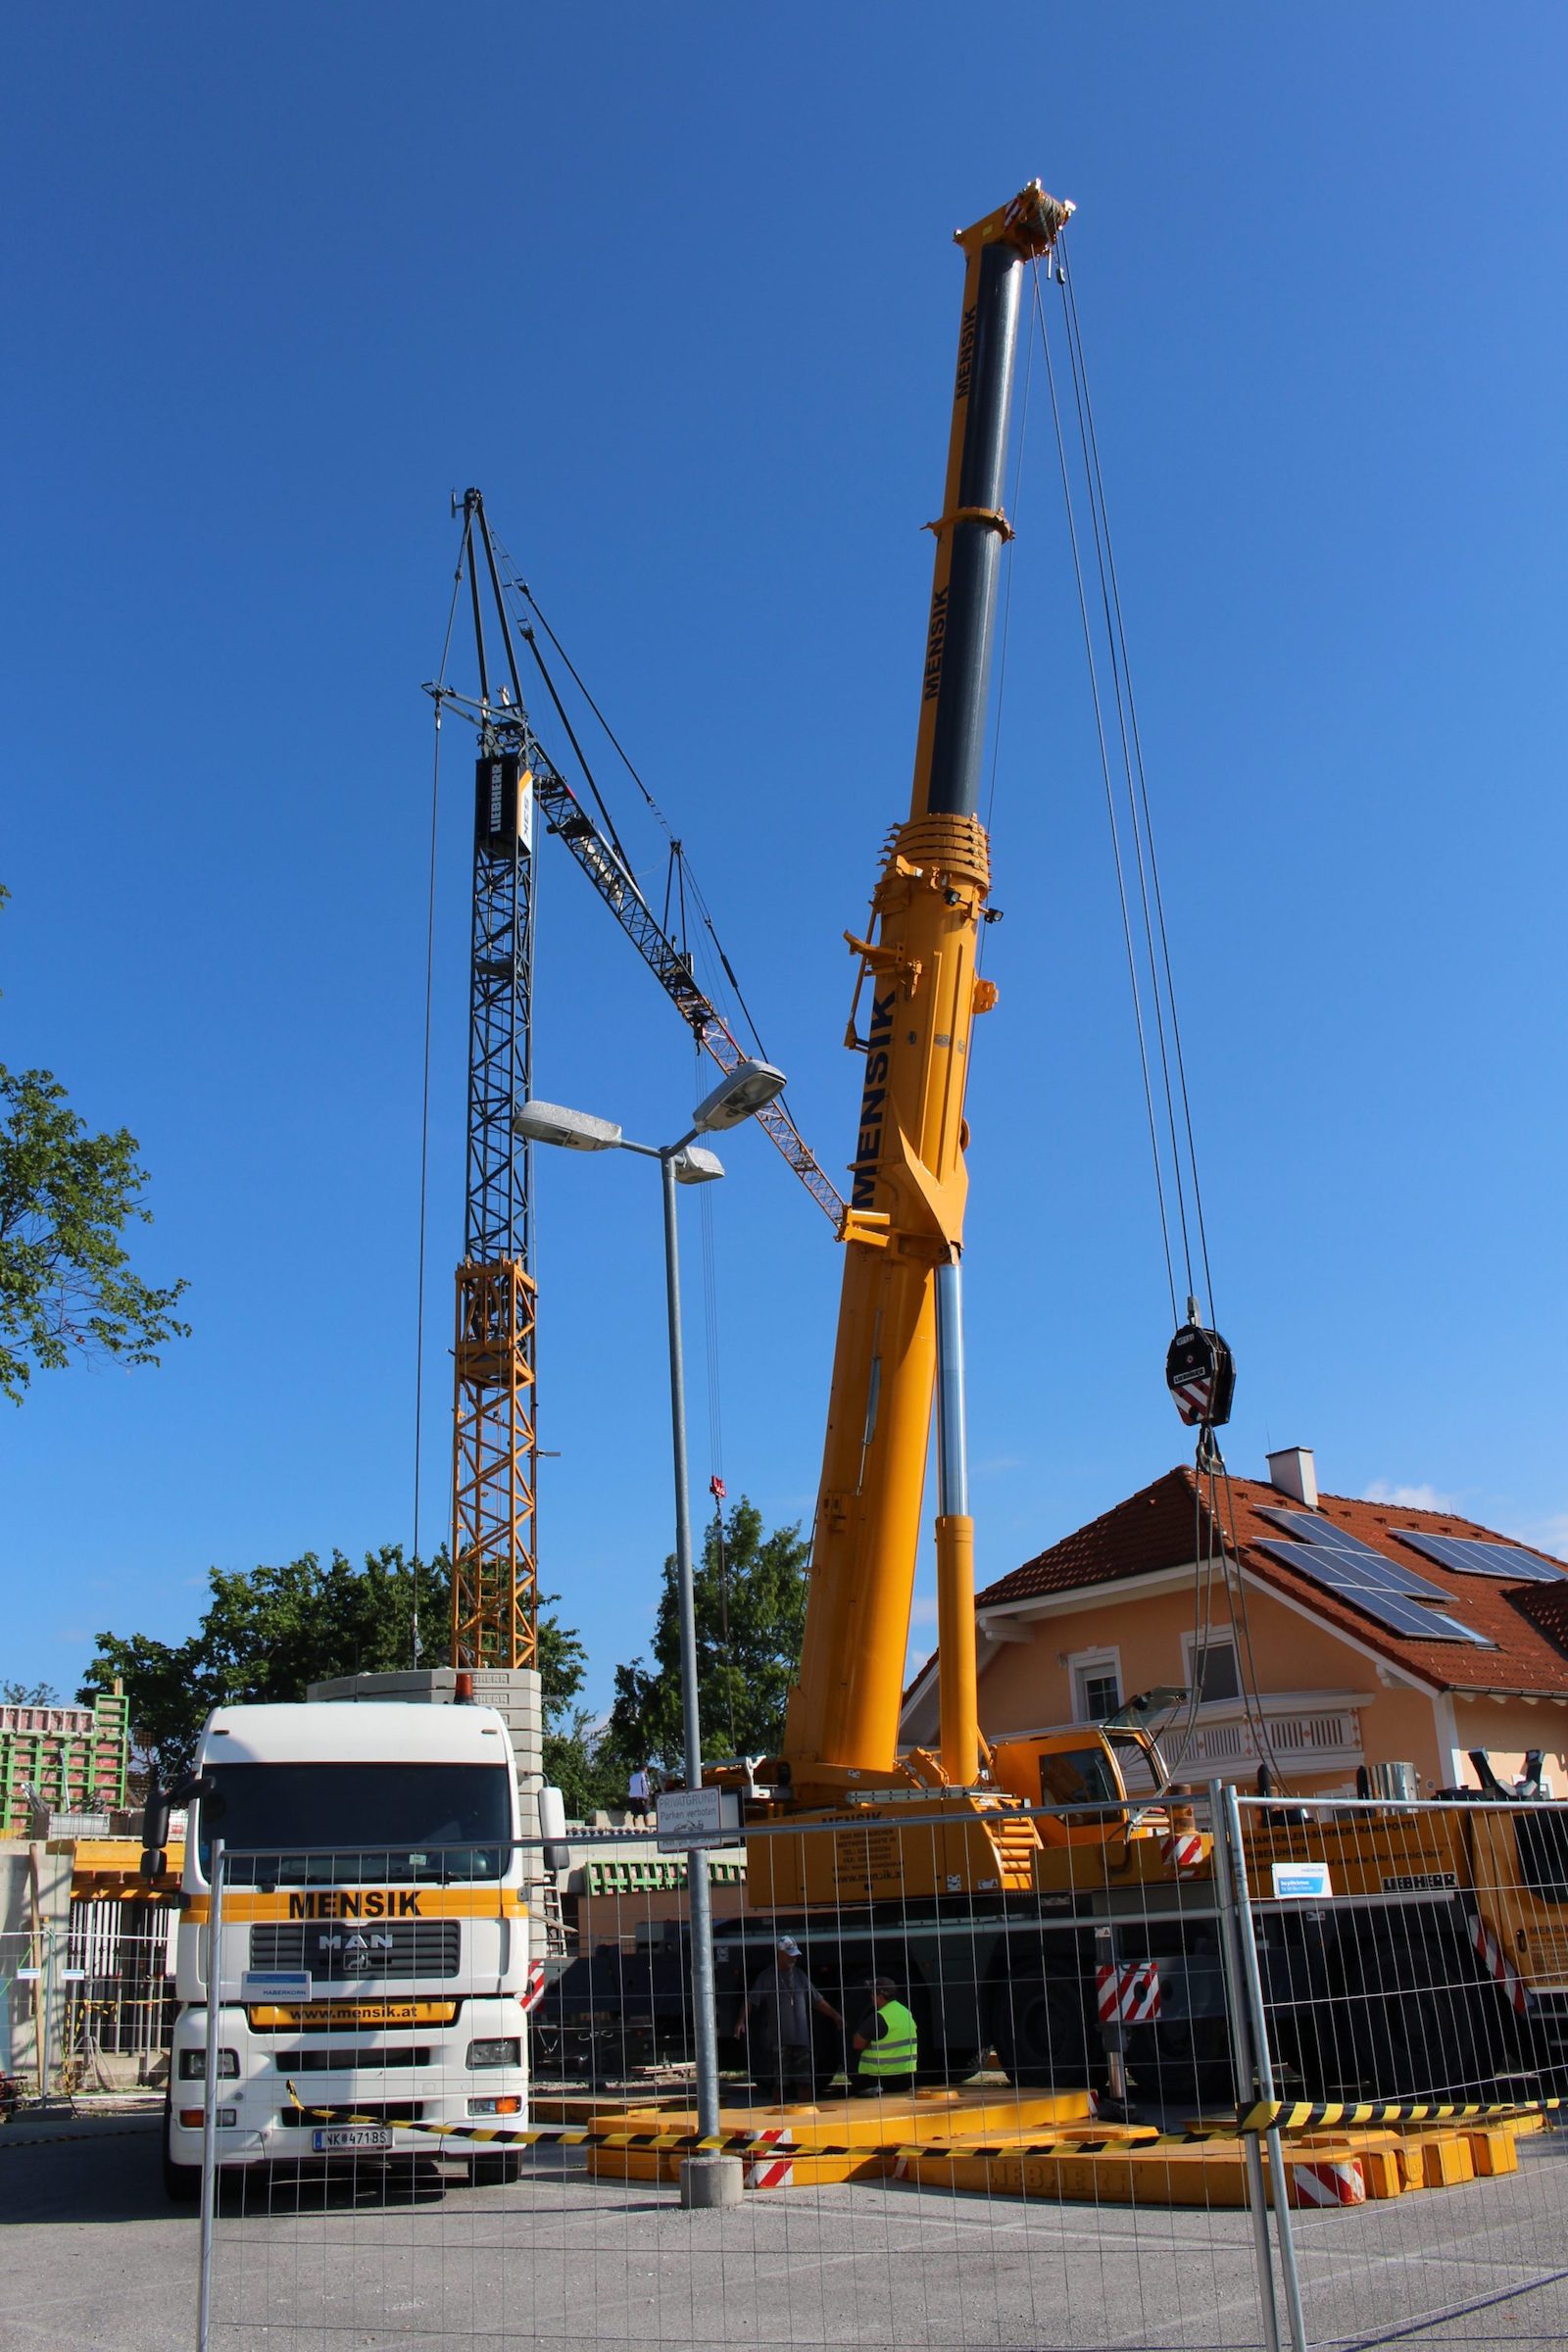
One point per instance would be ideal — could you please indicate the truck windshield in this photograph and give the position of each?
(293, 1825)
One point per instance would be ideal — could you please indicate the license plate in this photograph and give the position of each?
(336, 2139)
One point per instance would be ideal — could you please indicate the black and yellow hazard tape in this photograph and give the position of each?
(1266, 2115)
(1302, 2115)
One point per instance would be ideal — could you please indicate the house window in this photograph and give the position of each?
(1212, 1668)
(1096, 1685)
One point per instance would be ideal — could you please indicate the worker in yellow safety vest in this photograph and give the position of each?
(887, 2044)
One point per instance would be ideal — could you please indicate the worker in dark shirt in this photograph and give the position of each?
(781, 2000)
(885, 2042)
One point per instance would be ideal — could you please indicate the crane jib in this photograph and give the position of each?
(900, 1330)
(971, 537)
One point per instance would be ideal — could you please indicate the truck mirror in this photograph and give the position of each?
(155, 1827)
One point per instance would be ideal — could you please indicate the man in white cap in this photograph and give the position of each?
(783, 1997)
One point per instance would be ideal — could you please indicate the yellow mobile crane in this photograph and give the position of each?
(900, 1331)
(999, 1883)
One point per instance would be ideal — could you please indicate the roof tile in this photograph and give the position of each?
(1167, 1524)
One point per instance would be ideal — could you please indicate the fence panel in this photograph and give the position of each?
(1037, 2182)
(1413, 1997)
(1083, 2158)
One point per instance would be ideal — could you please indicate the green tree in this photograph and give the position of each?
(67, 1287)
(269, 1632)
(28, 1695)
(750, 1614)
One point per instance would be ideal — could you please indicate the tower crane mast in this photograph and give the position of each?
(519, 790)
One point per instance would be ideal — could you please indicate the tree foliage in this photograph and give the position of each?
(750, 1591)
(269, 1632)
(67, 1290)
(28, 1695)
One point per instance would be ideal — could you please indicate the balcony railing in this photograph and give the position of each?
(1321, 1738)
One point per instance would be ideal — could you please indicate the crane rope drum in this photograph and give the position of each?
(900, 1329)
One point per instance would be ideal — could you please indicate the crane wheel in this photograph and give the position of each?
(1042, 2036)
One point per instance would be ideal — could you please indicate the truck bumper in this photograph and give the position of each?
(262, 2120)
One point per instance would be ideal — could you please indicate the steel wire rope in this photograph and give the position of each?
(1148, 882)
(425, 1108)
(1071, 308)
(1111, 804)
(689, 879)
(1116, 655)
(1236, 1590)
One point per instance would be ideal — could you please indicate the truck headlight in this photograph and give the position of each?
(193, 2064)
(507, 2051)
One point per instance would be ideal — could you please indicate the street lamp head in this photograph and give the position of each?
(750, 1087)
(575, 1130)
(693, 1165)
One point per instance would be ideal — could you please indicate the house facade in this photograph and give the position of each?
(1319, 1632)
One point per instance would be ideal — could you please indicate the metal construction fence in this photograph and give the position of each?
(1223, 2073)
(86, 2003)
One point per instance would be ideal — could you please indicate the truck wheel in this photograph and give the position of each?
(496, 2168)
(182, 2182)
(1042, 2034)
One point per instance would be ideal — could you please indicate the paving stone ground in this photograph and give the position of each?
(92, 2256)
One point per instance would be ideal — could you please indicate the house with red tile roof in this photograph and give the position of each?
(1317, 1633)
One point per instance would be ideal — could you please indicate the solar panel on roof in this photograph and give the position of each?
(1383, 1595)
(1475, 1557)
(1363, 1564)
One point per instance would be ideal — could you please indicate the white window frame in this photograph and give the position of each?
(1190, 1661)
(1082, 1663)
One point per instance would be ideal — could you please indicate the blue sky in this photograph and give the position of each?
(675, 288)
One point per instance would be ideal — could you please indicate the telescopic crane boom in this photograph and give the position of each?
(900, 1330)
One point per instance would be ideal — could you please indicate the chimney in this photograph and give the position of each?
(1292, 1471)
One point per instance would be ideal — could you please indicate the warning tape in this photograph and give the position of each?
(1268, 2115)
(1286, 2115)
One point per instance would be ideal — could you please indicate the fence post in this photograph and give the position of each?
(1242, 2057)
(1257, 2022)
(215, 1987)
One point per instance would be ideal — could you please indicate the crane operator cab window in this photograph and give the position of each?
(1079, 1777)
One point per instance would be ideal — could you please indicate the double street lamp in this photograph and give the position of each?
(747, 1090)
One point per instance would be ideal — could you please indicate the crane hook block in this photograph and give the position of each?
(1201, 1375)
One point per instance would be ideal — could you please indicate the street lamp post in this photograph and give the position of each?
(705, 2181)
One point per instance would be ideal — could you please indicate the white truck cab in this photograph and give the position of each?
(373, 1973)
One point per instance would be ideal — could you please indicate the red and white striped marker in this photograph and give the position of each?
(534, 1990)
(1182, 1850)
(771, 2171)
(1497, 1963)
(1326, 2184)
(1192, 1400)
(1128, 1994)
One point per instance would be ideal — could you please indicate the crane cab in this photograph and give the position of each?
(1092, 1780)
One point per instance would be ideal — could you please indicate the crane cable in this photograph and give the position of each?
(688, 879)
(1128, 778)
(425, 1108)
(1111, 800)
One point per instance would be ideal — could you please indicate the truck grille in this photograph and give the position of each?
(356, 1950)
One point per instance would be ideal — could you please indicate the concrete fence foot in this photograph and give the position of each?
(707, 2181)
